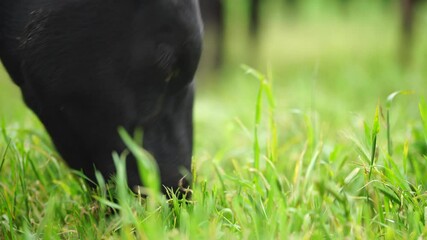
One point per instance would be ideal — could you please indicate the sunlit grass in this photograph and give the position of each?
(279, 185)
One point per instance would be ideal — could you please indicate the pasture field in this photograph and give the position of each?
(318, 133)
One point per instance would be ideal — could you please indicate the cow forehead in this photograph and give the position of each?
(184, 13)
(183, 17)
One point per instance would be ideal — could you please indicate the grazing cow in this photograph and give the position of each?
(86, 67)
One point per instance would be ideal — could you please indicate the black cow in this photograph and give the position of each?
(86, 67)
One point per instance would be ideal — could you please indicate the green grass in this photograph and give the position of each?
(327, 139)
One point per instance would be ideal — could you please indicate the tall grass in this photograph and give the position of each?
(301, 188)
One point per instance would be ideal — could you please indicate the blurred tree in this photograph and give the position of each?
(344, 5)
(408, 10)
(292, 6)
(254, 18)
(213, 18)
(291, 3)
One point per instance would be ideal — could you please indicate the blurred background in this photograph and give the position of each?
(337, 58)
(298, 31)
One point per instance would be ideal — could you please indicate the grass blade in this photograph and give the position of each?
(148, 169)
(374, 135)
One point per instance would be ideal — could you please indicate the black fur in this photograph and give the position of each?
(86, 67)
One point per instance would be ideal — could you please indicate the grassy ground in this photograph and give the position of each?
(314, 145)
